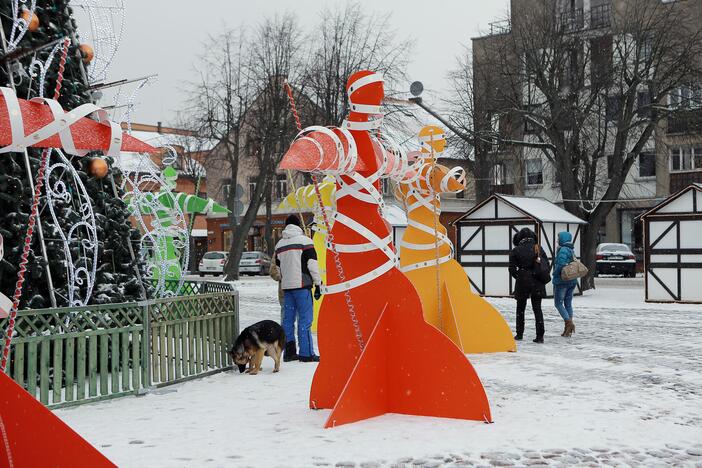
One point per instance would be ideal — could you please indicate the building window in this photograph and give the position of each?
(686, 97)
(602, 53)
(252, 187)
(646, 50)
(535, 172)
(697, 159)
(530, 117)
(681, 159)
(643, 104)
(281, 186)
(498, 175)
(226, 188)
(647, 164)
(614, 108)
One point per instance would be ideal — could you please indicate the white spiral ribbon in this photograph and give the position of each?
(60, 125)
(424, 196)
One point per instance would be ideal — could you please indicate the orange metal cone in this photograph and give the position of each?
(31, 435)
(410, 367)
(304, 153)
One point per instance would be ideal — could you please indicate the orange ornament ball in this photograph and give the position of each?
(31, 19)
(87, 52)
(98, 168)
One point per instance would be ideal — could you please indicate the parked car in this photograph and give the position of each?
(213, 263)
(615, 259)
(254, 263)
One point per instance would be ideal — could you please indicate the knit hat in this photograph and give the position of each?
(293, 219)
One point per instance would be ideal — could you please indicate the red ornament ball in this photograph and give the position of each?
(98, 168)
(31, 19)
(87, 52)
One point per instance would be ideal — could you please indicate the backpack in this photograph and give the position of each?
(542, 270)
(573, 270)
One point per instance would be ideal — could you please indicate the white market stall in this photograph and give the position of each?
(484, 238)
(673, 248)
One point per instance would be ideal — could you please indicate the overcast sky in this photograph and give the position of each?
(165, 36)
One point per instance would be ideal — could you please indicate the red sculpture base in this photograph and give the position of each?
(407, 369)
(31, 435)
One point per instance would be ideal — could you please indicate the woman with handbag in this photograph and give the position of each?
(563, 288)
(528, 266)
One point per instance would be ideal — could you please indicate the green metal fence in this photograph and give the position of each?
(188, 288)
(73, 355)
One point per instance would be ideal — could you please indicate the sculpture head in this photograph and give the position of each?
(433, 138)
(365, 88)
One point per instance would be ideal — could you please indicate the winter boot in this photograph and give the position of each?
(313, 358)
(570, 328)
(518, 337)
(539, 339)
(290, 353)
(565, 328)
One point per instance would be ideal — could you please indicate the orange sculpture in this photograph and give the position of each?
(427, 257)
(378, 355)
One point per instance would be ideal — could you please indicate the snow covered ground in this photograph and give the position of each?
(626, 389)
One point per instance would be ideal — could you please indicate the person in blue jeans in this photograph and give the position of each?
(563, 290)
(297, 260)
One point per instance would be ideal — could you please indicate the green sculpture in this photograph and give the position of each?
(169, 232)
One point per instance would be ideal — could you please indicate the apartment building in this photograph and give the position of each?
(670, 159)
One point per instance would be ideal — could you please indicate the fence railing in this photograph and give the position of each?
(188, 288)
(73, 355)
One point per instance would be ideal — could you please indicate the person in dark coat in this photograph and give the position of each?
(525, 262)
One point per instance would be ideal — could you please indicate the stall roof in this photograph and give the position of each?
(668, 206)
(536, 208)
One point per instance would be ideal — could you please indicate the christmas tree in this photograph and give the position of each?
(116, 278)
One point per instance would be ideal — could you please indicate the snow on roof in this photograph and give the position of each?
(190, 143)
(136, 162)
(542, 209)
(395, 215)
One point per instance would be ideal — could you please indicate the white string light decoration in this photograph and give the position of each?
(20, 26)
(106, 28)
(43, 67)
(65, 193)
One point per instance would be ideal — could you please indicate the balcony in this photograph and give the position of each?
(685, 121)
(572, 20)
(680, 180)
(500, 27)
(601, 16)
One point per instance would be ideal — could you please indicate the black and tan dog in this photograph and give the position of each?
(265, 338)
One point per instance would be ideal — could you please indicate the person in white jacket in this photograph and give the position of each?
(297, 259)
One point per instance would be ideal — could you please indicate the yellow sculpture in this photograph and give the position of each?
(305, 199)
(427, 257)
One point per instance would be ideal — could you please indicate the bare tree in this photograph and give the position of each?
(589, 101)
(218, 101)
(345, 41)
(268, 126)
(477, 144)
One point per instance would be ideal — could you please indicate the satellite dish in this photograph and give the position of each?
(239, 191)
(416, 88)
